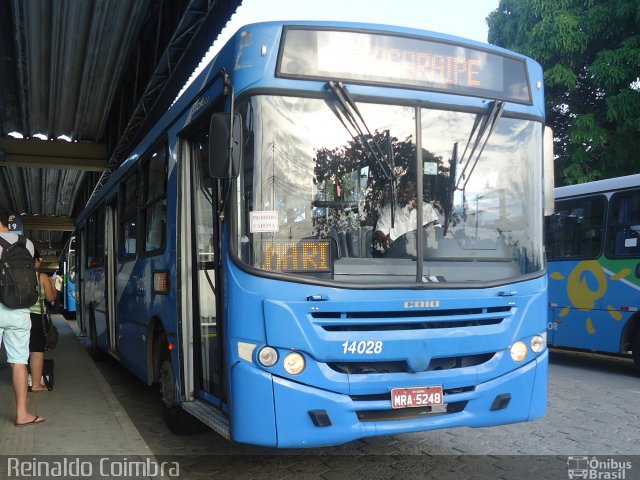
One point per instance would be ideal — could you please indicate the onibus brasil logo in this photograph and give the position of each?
(595, 468)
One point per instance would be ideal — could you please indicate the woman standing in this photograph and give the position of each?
(38, 342)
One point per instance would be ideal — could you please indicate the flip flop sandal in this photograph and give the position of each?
(36, 420)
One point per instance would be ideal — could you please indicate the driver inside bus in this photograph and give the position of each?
(405, 214)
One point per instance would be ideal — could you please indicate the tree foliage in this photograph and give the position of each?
(336, 164)
(590, 52)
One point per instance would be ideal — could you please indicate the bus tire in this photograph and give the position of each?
(635, 350)
(178, 421)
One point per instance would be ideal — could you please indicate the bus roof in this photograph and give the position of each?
(607, 185)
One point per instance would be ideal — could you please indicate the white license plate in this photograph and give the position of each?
(416, 397)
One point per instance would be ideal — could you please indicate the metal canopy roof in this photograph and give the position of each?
(95, 72)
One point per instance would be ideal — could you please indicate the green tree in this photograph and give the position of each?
(590, 52)
(337, 163)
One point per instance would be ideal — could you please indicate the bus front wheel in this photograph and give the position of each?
(178, 421)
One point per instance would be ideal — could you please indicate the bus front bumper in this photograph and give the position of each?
(309, 417)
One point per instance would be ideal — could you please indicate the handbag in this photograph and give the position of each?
(50, 330)
(47, 373)
(51, 334)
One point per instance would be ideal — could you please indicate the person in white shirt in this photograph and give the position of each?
(405, 215)
(15, 330)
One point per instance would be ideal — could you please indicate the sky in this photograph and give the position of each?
(463, 18)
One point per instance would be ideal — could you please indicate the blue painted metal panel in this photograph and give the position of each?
(592, 302)
(526, 385)
(288, 325)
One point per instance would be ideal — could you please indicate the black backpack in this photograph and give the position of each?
(18, 280)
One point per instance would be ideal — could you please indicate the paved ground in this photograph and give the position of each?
(82, 413)
(99, 410)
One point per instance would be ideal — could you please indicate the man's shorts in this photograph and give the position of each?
(15, 329)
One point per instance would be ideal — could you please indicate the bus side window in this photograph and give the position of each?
(575, 230)
(625, 228)
(153, 208)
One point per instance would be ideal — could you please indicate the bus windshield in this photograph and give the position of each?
(317, 202)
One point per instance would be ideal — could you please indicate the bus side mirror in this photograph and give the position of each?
(549, 183)
(225, 145)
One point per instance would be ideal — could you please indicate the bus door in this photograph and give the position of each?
(622, 263)
(204, 275)
(92, 287)
(111, 268)
(70, 278)
(577, 282)
(80, 282)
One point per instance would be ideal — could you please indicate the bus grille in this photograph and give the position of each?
(410, 320)
(447, 363)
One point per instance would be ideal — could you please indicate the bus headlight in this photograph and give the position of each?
(294, 363)
(268, 356)
(538, 343)
(518, 351)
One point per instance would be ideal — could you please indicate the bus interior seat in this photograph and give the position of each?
(356, 242)
(368, 245)
(335, 236)
(353, 242)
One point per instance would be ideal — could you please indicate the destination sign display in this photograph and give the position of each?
(404, 61)
(305, 256)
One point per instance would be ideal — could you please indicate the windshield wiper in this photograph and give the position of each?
(487, 126)
(354, 119)
(451, 188)
(352, 114)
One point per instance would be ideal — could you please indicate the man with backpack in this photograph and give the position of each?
(15, 322)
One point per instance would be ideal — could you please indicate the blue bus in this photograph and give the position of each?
(593, 248)
(65, 278)
(69, 284)
(237, 257)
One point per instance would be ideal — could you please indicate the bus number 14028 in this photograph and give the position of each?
(362, 347)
